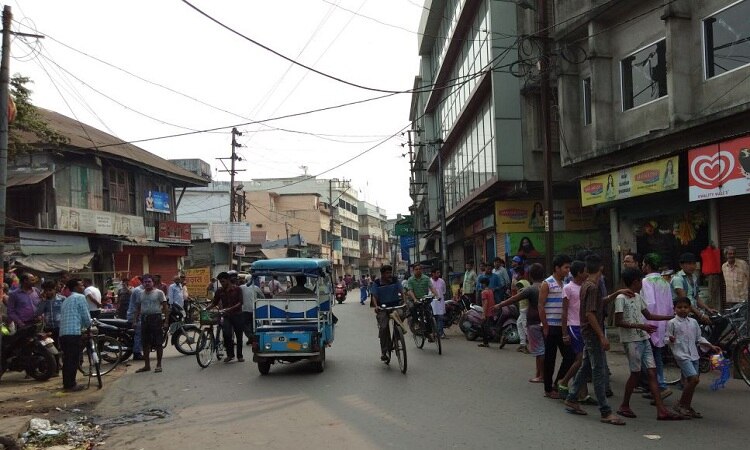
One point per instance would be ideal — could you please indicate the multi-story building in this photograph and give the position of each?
(657, 120)
(341, 198)
(202, 206)
(374, 244)
(477, 134)
(95, 205)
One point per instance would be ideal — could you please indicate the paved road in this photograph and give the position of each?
(469, 397)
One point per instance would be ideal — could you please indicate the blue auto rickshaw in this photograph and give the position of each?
(298, 323)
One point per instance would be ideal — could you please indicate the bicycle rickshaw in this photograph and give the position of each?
(292, 326)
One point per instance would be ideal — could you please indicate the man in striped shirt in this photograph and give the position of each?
(550, 312)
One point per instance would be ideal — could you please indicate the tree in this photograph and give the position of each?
(29, 124)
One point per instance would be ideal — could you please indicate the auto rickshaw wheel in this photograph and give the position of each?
(320, 365)
(264, 366)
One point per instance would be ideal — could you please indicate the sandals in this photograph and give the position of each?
(694, 414)
(554, 395)
(612, 420)
(671, 416)
(626, 412)
(589, 401)
(143, 369)
(157, 370)
(536, 380)
(574, 408)
(483, 345)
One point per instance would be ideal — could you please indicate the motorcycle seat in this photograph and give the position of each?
(119, 323)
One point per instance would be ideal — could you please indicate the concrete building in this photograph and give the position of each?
(343, 228)
(374, 244)
(477, 134)
(202, 206)
(661, 106)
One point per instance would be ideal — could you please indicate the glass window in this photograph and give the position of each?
(586, 94)
(644, 75)
(726, 39)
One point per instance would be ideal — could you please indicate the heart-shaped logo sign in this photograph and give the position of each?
(711, 171)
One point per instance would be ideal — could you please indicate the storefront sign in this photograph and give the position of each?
(227, 232)
(407, 243)
(99, 222)
(174, 232)
(532, 245)
(405, 227)
(719, 170)
(643, 179)
(239, 250)
(526, 216)
(157, 202)
(197, 280)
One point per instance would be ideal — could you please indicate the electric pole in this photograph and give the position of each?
(544, 69)
(412, 187)
(4, 95)
(234, 211)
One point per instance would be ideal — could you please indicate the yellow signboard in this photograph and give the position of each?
(197, 281)
(521, 216)
(643, 179)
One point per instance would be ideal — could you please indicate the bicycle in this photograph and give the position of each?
(398, 344)
(102, 352)
(210, 345)
(424, 326)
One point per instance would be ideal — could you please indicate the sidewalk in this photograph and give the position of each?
(23, 398)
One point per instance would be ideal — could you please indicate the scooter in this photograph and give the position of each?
(453, 312)
(28, 351)
(502, 328)
(340, 293)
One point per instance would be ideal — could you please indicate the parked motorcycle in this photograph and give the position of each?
(30, 352)
(340, 293)
(503, 324)
(184, 335)
(122, 331)
(453, 312)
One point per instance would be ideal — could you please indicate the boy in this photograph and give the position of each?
(634, 335)
(488, 304)
(571, 320)
(534, 323)
(593, 308)
(684, 334)
(550, 311)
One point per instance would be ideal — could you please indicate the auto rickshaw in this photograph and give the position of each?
(296, 324)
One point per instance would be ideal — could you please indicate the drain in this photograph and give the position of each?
(139, 417)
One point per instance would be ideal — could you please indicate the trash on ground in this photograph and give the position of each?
(653, 437)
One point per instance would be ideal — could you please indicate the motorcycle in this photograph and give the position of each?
(503, 327)
(122, 331)
(454, 310)
(184, 335)
(340, 293)
(30, 352)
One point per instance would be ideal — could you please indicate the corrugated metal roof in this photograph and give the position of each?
(26, 178)
(98, 142)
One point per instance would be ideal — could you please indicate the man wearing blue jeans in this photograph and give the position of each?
(593, 308)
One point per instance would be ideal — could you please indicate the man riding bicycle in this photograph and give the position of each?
(418, 285)
(386, 291)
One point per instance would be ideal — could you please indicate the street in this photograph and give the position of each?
(469, 397)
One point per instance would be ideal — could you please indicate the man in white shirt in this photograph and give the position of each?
(175, 293)
(93, 298)
(250, 293)
(736, 276)
(438, 287)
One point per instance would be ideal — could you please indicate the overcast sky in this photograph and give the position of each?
(169, 43)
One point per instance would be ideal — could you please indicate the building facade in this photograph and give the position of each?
(95, 206)
(374, 242)
(656, 120)
(477, 134)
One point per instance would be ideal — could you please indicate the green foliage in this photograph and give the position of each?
(28, 121)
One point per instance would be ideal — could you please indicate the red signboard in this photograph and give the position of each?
(174, 232)
(720, 170)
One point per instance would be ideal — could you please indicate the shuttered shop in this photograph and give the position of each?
(734, 224)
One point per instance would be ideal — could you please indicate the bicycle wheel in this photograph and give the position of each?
(165, 341)
(436, 335)
(742, 359)
(399, 347)
(109, 353)
(672, 371)
(96, 368)
(416, 333)
(221, 349)
(206, 348)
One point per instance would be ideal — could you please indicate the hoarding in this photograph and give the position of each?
(643, 179)
(521, 216)
(157, 202)
(197, 280)
(174, 232)
(99, 222)
(226, 232)
(719, 170)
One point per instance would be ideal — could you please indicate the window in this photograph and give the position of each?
(120, 188)
(644, 75)
(726, 39)
(586, 94)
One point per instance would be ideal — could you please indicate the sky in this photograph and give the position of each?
(371, 43)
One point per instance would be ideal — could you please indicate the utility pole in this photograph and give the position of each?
(544, 69)
(441, 213)
(4, 131)
(414, 201)
(233, 209)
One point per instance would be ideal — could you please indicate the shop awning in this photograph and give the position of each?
(274, 253)
(47, 243)
(56, 263)
(26, 178)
